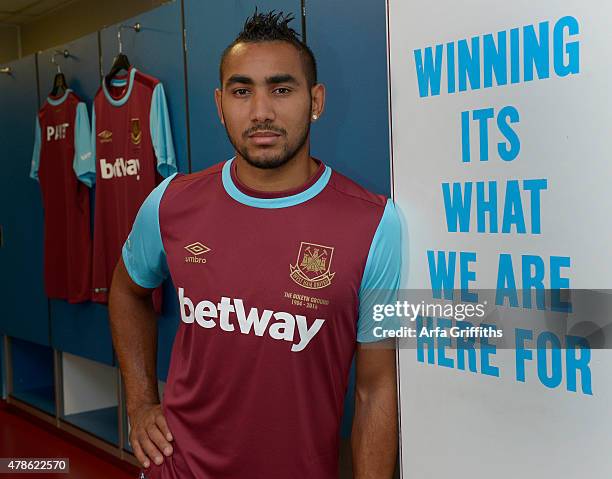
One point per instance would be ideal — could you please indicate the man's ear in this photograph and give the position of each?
(317, 104)
(218, 94)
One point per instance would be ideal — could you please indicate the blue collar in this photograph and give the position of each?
(125, 97)
(60, 100)
(281, 202)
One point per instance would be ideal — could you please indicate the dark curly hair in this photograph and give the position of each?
(271, 27)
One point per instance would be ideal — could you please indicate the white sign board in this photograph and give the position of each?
(501, 120)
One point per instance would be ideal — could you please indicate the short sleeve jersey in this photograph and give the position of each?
(270, 288)
(134, 150)
(62, 161)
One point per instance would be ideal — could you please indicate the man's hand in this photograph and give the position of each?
(149, 434)
(134, 329)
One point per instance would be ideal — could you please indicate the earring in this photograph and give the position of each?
(315, 116)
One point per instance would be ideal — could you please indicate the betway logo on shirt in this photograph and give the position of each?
(230, 315)
(119, 168)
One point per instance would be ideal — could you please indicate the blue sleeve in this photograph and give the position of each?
(381, 276)
(83, 163)
(36, 152)
(143, 252)
(161, 133)
(93, 140)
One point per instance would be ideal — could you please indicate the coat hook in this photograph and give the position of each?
(136, 27)
(64, 53)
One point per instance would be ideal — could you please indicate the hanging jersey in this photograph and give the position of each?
(134, 150)
(62, 156)
(274, 292)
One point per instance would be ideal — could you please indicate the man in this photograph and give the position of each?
(277, 260)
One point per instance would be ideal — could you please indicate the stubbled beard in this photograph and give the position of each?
(287, 153)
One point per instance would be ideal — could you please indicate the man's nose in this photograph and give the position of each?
(262, 109)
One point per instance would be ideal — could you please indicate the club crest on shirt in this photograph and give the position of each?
(312, 268)
(135, 131)
(105, 136)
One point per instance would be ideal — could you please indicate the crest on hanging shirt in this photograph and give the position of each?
(135, 131)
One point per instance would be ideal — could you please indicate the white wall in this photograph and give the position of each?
(473, 425)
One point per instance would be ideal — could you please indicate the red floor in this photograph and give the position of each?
(21, 437)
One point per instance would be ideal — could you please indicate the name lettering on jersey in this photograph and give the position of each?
(119, 168)
(105, 136)
(135, 132)
(57, 132)
(312, 268)
(196, 249)
(230, 313)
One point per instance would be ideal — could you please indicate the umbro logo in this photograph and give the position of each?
(196, 249)
(105, 136)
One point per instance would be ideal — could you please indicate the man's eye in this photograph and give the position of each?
(241, 92)
(282, 90)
